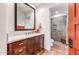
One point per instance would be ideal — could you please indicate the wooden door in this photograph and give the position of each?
(73, 29)
(77, 30)
(71, 23)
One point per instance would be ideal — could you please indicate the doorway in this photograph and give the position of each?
(58, 17)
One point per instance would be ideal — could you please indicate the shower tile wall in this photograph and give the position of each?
(58, 28)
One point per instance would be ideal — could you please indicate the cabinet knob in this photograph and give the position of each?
(21, 44)
(20, 50)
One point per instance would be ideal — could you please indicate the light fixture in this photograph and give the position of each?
(58, 15)
(56, 12)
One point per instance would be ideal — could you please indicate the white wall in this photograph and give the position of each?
(43, 17)
(3, 40)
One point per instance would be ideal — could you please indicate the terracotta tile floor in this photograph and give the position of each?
(57, 49)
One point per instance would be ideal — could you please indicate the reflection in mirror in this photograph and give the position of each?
(24, 17)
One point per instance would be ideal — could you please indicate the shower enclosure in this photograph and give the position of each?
(58, 17)
(58, 27)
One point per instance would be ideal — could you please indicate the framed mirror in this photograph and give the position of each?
(24, 17)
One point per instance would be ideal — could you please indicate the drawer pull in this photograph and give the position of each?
(20, 50)
(21, 44)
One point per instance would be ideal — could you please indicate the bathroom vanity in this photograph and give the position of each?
(27, 45)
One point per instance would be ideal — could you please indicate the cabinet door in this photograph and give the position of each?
(36, 44)
(30, 46)
(41, 42)
(26, 45)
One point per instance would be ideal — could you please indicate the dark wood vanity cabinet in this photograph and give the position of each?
(17, 48)
(29, 46)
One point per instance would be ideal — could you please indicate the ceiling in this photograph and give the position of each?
(61, 8)
(53, 7)
(38, 5)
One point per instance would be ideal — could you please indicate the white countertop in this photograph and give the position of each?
(21, 37)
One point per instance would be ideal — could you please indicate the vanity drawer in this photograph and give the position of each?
(17, 48)
(18, 44)
(22, 53)
(18, 51)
